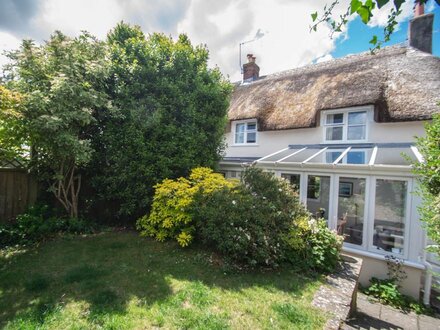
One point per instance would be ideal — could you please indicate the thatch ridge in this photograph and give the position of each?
(402, 83)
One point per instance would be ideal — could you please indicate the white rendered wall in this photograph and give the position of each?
(271, 141)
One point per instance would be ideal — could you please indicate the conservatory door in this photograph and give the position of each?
(351, 203)
(318, 195)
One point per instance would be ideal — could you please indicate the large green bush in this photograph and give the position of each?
(171, 118)
(258, 222)
(248, 223)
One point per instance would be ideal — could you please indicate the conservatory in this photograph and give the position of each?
(364, 191)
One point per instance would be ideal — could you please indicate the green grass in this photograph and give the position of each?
(122, 281)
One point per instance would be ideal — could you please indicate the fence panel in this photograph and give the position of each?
(18, 190)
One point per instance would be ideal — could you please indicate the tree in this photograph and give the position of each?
(363, 9)
(60, 83)
(429, 175)
(12, 133)
(172, 117)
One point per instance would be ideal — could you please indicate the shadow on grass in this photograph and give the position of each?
(106, 271)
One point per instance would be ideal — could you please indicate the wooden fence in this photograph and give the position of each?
(18, 190)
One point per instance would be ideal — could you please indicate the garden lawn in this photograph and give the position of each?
(118, 280)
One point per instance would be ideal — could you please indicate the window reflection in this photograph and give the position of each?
(389, 215)
(351, 208)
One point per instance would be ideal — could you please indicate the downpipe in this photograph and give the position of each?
(428, 282)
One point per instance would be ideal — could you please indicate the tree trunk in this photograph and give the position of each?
(66, 188)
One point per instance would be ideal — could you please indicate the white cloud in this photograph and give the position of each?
(430, 6)
(324, 58)
(222, 25)
(287, 43)
(7, 42)
(96, 16)
(380, 16)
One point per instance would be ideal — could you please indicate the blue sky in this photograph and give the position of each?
(360, 34)
(286, 41)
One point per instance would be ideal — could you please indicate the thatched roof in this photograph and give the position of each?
(402, 83)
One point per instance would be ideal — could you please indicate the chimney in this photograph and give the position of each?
(420, 29)
(251, 71)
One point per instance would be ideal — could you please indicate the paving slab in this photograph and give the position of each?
(428, 323)
(373, 315)
(399, 319)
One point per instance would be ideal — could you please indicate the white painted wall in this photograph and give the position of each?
(271, 141)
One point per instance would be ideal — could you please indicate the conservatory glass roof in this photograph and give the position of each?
(400, 155)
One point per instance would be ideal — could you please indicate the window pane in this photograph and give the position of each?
(334, 133)
(331, 156)
(351, 208)
(395, 156)
(318, 194)
(294, 180)
(240, 128)
(251, 126)
(356, 132)
(356, 157)
(239, 137)
(389, 215)
(336, 118)
(357, 118)
(251, 137)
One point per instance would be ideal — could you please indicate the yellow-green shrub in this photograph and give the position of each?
(173, 203)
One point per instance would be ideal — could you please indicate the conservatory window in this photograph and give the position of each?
(246, 132)
(318, 195)
(294, 180)
(351, 209)
(390, 214)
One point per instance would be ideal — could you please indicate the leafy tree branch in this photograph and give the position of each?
(363, 9)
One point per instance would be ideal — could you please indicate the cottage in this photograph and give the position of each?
(343, 133)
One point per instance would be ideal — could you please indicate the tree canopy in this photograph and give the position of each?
(12, 133)
(60, 83)
(172, 116)
(117, 116)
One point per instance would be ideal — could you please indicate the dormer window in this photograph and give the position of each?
(245, 132)
(345, 125)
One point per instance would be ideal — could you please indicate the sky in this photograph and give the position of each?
(275, 31)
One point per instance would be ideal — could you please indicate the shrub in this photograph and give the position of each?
(173, 205)
(247, 223)
(37, 224)
(313, 245)
(258, 222)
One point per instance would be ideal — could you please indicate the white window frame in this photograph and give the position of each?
(304, 192)
(344, 124)
(246, 131)
(408, 216)
(413, 233)
(365, 230)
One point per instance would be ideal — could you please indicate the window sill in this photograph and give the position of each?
(377, 256)
(346, 141)
(244, 145)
